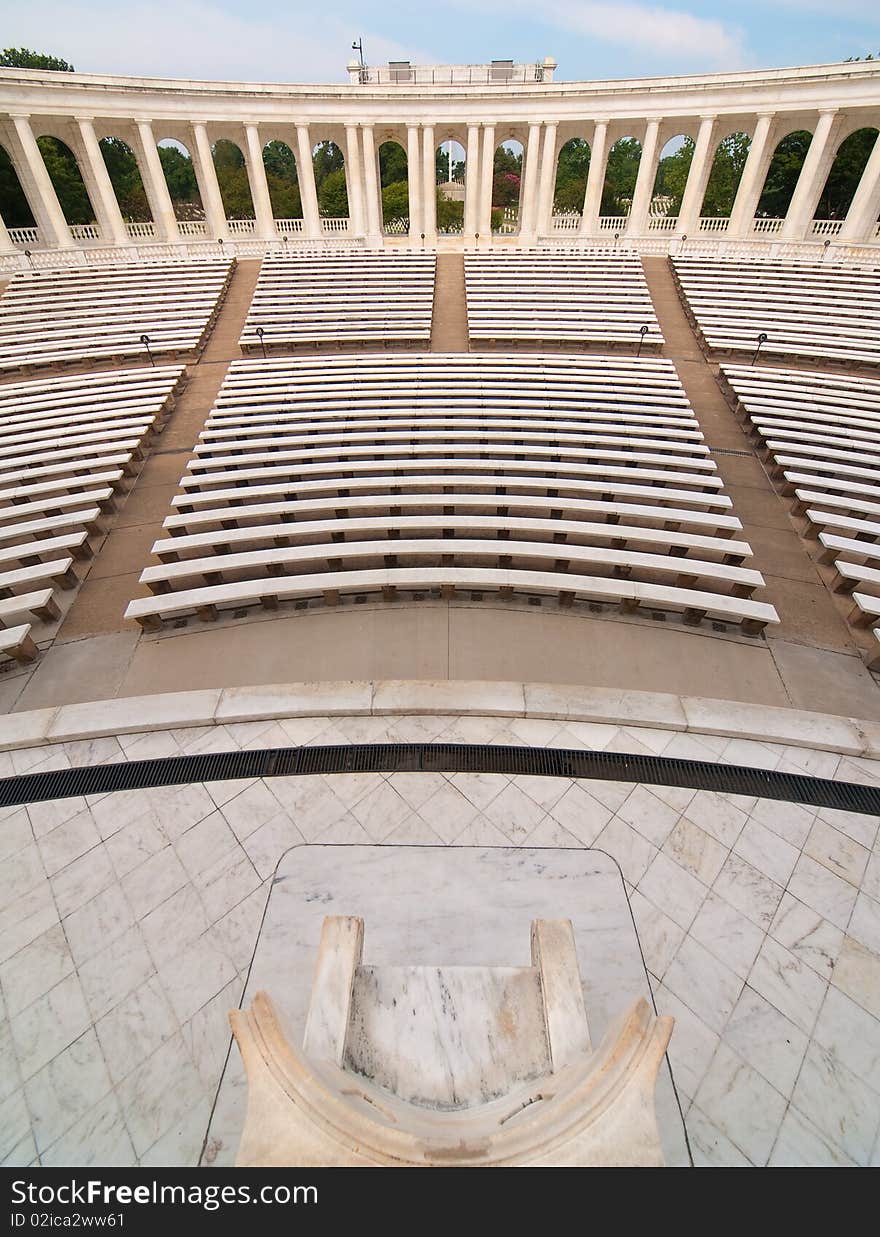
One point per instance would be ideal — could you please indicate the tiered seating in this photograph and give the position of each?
(822, 434)
(558, 297)
(340, 299)
(581, 479)
(57, 317)
(66, 445)
(804, 309)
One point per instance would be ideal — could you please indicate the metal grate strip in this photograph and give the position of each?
(439, 758)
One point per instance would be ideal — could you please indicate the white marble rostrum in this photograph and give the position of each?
(449, 1066)
(128, 922)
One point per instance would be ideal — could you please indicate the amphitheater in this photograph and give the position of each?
(558, 541)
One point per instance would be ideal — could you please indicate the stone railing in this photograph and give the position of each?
(241, 227)
(713, 224)
(141, 231)
(193, 228)
(662, 223)
(85, 232)
(826, 227)
(569, 222)
(288, 227)
(612, 223)
(24, 238)
(767, 227)
(334, 224)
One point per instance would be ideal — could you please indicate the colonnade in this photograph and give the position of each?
(543, 133)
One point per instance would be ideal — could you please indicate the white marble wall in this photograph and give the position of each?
(128, 922)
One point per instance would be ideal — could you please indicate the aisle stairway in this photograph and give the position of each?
(449, 324)
(112, 580)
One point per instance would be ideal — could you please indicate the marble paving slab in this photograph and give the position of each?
(431, 905)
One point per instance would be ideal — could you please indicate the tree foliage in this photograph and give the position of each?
(620, 176)
(572, 170)
(24, 58)
(782, 175)
(727, 169)
(450, 215)
(506, 177)
(333, 194)
(65, 175)
(395, 201)
(845, 174)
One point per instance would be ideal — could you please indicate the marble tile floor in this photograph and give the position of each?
(128, 923)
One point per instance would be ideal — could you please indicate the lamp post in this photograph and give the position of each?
(683, 239)
(145, 340)
(825, 246)
(423, 240)
(27, 254)
(643, 331)
(762, 339)
(616, 239)
(476, 240)
(260, 333)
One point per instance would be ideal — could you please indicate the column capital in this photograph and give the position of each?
(704, 116)
(19, 115)
(81, 119)
(143, 120)
(829, 111)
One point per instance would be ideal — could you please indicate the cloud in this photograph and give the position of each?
(197, 39)
(668, 35)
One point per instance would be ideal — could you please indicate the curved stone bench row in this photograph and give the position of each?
(561, 298)
(340, 300)
(820, 435)
(809, 310)
(100, 313)
(272, 500)
(66, 447)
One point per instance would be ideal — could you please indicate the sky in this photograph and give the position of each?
(297, 41)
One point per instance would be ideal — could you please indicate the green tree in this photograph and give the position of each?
(125, 178)
(392, 164)
(279, 161)
(782, 175)
(727, 169)
(506, 177)
(14, 208)
(450, 215)
(65, 175)
(672, 174)
(845, 174)
(572, 170)
(327, 158)
(180, 175)
(395, 202)
(620, 176)
(24, 58)
(333, 195)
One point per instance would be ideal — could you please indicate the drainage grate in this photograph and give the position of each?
(439, 758)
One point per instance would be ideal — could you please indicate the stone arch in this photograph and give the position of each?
(232, 179)
(331, 179)
(621, 173)
(180, 177)
(508, 168)
(450, 168)
(15, 209)
(282, 178)
(845, 173)
(125, 177)
(572, 169)
(67, 180)
(394, 185)
(725, 174)
(783, 173)
(673, 168)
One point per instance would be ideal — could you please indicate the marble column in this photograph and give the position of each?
(38, 188)
(547, 180)
(698, 178)
(155, 184)
(814, 173)
(528, 218)
(487, 173)
(209, 189)
(256, 174)
(861, 218)
(637, 223)
(6, 245)
(354, 181)
(305, 171)
(414, 181)
(372, 187)
(100, 188)
(742, 215)
(429, 184)
(595, 180)
(471, 181)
